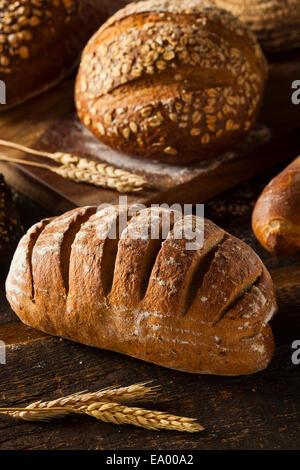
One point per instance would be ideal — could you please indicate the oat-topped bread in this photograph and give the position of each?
(137, 286)
(10, 227)
(41, 41)
(175, 81)
(275, 22)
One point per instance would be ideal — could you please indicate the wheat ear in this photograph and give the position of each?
(82, 170)
(105, 406)
(122, 181)
(118, 414)
(64, 405)
(128, 394)
(110, 412)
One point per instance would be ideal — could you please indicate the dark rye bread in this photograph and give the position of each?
(276, 23)
(175, 81)
(276, 216)
(202, 311)
(41, 41)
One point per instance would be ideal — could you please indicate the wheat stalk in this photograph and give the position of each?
(134, 392)
(64, 405)
(131, 393)
(110, 412)
(105, 406)
(118, 414)
(38, 414)
(82, 170)
(107, 178)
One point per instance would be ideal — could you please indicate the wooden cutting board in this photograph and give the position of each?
(49, 122)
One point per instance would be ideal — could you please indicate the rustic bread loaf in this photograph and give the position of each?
(40, 42)
(204, 310)
(276, 23)
(175, 81)
(276, 216)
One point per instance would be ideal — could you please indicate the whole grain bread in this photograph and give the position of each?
(276, 23)
(276, 216)
(175, 81)
(41, 41)
(202, 310)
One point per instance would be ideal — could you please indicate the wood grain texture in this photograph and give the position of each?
(260, 411)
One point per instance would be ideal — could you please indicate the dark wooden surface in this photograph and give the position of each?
(261, 411)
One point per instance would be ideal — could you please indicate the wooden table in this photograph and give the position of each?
(253, 412)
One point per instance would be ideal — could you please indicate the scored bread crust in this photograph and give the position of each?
(41, 42)
(276, 216)
(175, 81)
(204, 310)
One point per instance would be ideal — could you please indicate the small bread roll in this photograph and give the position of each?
(276, 216)
(41, 41)
(176, 81)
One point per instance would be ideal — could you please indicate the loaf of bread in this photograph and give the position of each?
(204, 310)
(276, 216)
(41, 41)
(276, 23)
(174, 81)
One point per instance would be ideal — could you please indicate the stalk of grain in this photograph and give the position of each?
(106, 406)
(122, 181)
(118, 414)
(65, 405)
(82, 170)
(110, 412)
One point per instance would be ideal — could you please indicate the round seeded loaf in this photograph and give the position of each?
(40, 42)
(176, 81)
(276, 23)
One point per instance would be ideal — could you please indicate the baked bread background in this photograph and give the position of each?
(41, 41)
(276, 23)
(202, 311)
(175, 81)
(276, 216)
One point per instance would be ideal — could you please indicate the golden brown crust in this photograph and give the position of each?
(276, 23)
(276, 216)
(170, 81)
(203, 311)
(40, 42)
